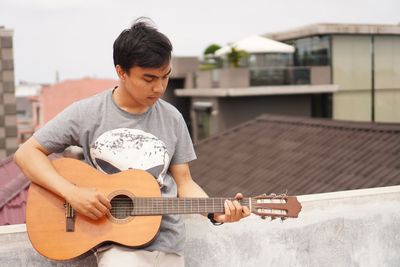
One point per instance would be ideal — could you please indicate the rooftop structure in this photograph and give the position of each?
(335, 28)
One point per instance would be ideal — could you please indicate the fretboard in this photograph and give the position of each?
(165, 205)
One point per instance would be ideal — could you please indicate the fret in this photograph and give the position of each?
(160, 206)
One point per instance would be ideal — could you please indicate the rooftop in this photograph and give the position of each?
(58, 96)
(348, 228)
(13, 193)
(278, 154)
(334, 28)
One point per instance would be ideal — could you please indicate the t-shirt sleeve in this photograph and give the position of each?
(62, 131)
(184, 150)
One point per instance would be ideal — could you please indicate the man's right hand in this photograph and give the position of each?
(88, 202)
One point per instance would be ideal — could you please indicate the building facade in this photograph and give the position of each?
(225, 97)
(363, 60)
(8, 118)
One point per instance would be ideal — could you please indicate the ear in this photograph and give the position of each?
(120, 72)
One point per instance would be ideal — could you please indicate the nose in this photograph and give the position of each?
(158, 87)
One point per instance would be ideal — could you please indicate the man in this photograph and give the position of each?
(128, 127)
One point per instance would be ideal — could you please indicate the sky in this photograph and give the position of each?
(75, 37)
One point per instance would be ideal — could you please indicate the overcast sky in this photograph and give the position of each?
(75, 37)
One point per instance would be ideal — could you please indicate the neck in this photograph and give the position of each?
(160, 206)
(125, 101)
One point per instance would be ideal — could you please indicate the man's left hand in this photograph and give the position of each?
(234, 211)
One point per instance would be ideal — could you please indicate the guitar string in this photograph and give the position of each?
(177, 205)
(170, 203)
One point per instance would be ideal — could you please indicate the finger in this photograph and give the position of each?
(100, 207)
(238, 210)
(232, 210)
(246, 211)
(89, 215)
(97, 213)
(227, 211)
(239, 196)
(105, 201)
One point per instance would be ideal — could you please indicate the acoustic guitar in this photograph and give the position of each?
(59, 233)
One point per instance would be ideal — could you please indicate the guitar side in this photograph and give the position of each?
(46, 213)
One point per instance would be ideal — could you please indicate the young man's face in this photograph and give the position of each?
(145, 85)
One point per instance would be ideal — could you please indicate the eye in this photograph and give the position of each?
(149, 80)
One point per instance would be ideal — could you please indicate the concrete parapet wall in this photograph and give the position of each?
(354, 228)
(234, 78)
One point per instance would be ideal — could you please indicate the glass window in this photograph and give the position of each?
(203, 111)
(311, 51)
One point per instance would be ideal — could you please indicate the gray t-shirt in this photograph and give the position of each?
(114, 140)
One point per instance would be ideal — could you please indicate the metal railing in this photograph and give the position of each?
(279, 75)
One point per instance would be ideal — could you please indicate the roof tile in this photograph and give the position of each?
(300, 155)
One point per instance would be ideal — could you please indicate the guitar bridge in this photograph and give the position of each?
(70, 218)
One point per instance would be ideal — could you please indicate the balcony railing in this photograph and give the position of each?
(263, 76)
(279, 75)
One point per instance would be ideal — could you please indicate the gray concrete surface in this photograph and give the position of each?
(349, 228)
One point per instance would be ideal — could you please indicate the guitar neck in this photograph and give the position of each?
(161, 206)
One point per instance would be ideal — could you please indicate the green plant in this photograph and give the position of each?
(235, 56)
(210, 50)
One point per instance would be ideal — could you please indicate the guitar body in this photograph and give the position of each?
(46, 213)
(58, 232)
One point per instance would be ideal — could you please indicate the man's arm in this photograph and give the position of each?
(31, 157)
(189, 188)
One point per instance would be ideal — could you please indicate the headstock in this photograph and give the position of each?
(274, 206)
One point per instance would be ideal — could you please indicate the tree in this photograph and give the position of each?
(235, 56)
(209, 61)
(210, 50)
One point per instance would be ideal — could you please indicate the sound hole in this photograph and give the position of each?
(121, 206)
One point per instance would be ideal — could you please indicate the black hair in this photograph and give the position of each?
(141, 45)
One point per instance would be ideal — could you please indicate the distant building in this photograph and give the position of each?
(183, 76)
(56, 97)
(8, 119)
(363, 60)
(339, 71)
(225, 97)
(27, 108)
(215, 110)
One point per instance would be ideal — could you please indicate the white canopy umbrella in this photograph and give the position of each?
(256, 44)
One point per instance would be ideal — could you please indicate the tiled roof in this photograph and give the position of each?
(57, 97)
(293, 155)
(13, 193)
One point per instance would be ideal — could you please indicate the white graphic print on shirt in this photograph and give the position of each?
(124, 148)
